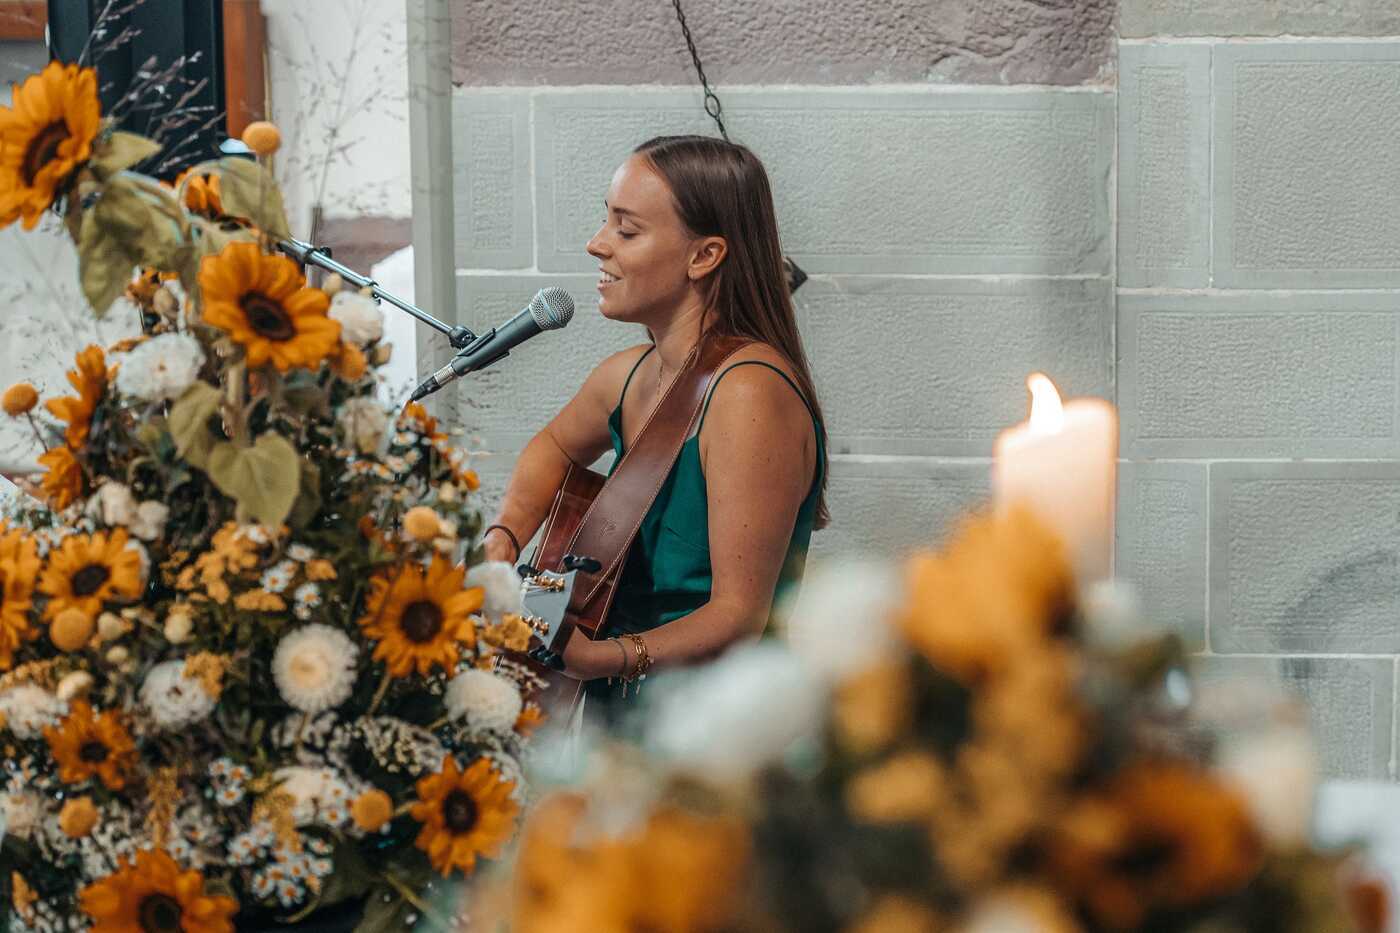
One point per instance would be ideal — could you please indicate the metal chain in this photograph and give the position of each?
(712, 105)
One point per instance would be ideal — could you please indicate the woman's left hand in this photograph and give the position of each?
(586, 659)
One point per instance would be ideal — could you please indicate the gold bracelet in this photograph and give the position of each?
(639, 672)
(623, 648)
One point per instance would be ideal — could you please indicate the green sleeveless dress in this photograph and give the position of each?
(667, 572)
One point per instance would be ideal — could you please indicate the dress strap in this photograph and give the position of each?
(632, 373)
(775, 369)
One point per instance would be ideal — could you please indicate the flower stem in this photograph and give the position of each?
(379, 694)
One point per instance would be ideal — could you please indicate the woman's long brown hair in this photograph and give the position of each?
(721, 189)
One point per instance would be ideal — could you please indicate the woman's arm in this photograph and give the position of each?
(759, 453)
(578, 434)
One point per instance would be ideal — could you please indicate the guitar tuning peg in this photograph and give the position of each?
(577, 562)
(526, 571)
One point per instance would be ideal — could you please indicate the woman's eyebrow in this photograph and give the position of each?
(620, 210)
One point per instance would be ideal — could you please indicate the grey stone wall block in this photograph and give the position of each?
(1161, 543)
(491, 179)
(938, 366)
(1307, 165)
(1164, 166)
(1349, 703)
(889, 507)
(511, 401)
(1303, 557)
(1259, 18)
(784, 42)
(890, 181)
(1258, 375)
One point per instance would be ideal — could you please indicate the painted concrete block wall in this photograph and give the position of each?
(1203, 231)
(1258, 306)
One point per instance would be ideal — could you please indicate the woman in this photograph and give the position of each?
(689, 249)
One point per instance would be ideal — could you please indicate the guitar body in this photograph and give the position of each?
(580, 487)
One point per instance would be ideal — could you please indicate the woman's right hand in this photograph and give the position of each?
(498, 546)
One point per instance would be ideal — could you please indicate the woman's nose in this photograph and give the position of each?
(595, 245)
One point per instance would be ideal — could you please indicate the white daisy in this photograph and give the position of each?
(300, 552)
(161, 368)
(278, 578)
(314, 667)
(307, 597)
(487, 701)
(173, 699)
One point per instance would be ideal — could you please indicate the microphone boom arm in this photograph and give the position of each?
(320, 256)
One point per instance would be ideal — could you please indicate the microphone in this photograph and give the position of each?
(550, 309)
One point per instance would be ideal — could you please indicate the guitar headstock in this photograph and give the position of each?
(545, 596)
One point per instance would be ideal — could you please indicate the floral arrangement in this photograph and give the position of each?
(975, 747)
(249, 663)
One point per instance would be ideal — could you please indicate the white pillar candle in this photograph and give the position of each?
(1062, 465)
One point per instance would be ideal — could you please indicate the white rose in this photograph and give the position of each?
(161, 368)
(112, 505)
(149, 522)
(361, 321)
(364, 424)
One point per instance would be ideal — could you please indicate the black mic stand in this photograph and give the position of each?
(305, 254)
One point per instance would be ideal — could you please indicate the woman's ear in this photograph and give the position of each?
(707, 256)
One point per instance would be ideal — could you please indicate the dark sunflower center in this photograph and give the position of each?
(459, 812)
(90, 579)
(1146, 858)
(93, 752)
(160, 914)
(42, 149)
(267, 317)
(421, 621)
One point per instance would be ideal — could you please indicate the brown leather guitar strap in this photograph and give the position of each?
(608, 528)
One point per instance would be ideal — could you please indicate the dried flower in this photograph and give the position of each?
(19, 399)
(78, 817)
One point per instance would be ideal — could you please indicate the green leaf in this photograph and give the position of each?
(264, 478)
(121, 151)
(351, 877)
(383, 916)
(146, 223)
(189, 422)
(308, 501)
(104, 266)
(248, 190)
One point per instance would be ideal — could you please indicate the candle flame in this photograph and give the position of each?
(1047, 414)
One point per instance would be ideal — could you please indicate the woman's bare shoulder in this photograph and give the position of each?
(606, 379)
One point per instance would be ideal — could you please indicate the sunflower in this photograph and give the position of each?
(202, 194)
(19, 566)
(421, 620)
(464, 814)
(44, 136)
(263, 303)
(86, 745)
(1161, 835)
(152, 895)
(62, 481)
(1000, 589)
(90, 379)
(88, 570)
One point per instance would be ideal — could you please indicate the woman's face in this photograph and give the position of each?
(644, 252)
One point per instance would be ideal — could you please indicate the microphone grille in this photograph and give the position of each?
(551, 308)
